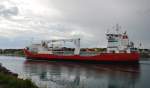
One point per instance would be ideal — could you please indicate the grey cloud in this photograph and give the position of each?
(96, 16)
(90, 17)
(8, 12)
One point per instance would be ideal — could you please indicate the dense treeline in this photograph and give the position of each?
(12, 52)
(145, 53)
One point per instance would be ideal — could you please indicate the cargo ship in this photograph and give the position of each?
(119, 49)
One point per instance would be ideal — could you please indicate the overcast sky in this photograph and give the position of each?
(24, 20)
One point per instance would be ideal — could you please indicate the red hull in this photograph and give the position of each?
(104, 57)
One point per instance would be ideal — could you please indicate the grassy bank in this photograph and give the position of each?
(10, 80)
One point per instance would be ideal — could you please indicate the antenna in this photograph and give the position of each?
(117, 28)
(107, 31)
(140, 45)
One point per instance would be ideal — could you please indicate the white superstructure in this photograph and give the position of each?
(118, 42)
(44, 48)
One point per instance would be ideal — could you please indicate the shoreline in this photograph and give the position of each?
(7, 72)
(9, 79)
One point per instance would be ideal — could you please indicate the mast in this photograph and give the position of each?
(118, 27)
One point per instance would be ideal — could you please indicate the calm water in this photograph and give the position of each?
(80, 75)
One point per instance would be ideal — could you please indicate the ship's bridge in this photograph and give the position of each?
(118, 42)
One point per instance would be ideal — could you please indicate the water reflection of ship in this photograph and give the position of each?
(84, 75)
